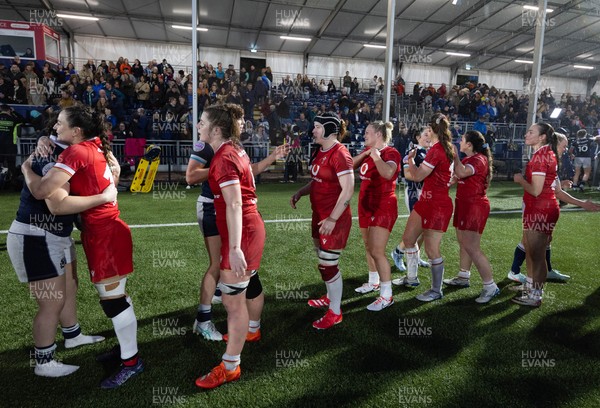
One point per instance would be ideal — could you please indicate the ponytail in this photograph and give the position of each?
(551, 138)
(480, 146)
(342, 131)
(441, 127)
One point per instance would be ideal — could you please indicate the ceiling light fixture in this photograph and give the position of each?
(285, 37)
(536, 8)
(524, 61)
(583, 66)
(189, 28)
(374, 46)
(77, 17)
(458, 54)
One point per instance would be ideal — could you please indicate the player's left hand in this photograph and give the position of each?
(237, 261)
(327, 226)
(518, 178)
(590, 206)
(44, 148)
(375, 154)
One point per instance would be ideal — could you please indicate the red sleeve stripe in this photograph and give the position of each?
(341, 173)
(472, 168)
(431, 166)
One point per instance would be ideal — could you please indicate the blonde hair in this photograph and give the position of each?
(385, 128)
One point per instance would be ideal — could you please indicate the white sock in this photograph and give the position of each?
(374, 278)
(464, 274)
(386, 289)
(529, 283)
(399, 251)
(334, 292)
(253, 326)
(125, 324)
(231, 362)
(412, 262)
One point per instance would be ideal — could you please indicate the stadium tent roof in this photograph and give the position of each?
(493, 32)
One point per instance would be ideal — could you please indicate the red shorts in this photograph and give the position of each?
(471, 216)
(108, 248)
(339, 235)
(435, 214)
(253, 240)
(540, 219)
(384, 215)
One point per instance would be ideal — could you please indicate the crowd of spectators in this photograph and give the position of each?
(154, 101)
(476, 101)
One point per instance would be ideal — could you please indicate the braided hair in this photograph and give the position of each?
(480, 146)
(90, 123)
(441, 127)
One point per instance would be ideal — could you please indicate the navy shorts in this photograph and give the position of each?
(207, 218)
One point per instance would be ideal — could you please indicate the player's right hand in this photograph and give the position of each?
(295, 198)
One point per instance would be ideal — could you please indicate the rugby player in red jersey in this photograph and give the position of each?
(431, 214)
(330, 190)
(241, 229)
(378, 208)
(86, 166)
(471, 212)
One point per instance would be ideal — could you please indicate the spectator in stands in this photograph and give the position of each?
(347, 82)
(402, 141)
(234, 96)
(355, 86)
(322, 87)
(252, 74)
(248, 101)
(102, 103)
(480, 125)
(260, 143)
(109, 117)
(331, 87)
(19, 96)
(157, 96)
(261, 89)
(69, 71)
(283, 111)
(373, 85)
(142, 90)
(163, 66)
(302, 124)
(9, 119)
(416, 96)
(140, 124)
(89, 96)
(274, 125)
(6, 90)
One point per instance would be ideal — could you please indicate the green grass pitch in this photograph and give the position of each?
(449, 353)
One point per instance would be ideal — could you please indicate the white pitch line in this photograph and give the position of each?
(285, 220)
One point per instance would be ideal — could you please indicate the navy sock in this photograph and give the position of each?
(45, 355)
(204, 313)
(71, 332)
(518, 259)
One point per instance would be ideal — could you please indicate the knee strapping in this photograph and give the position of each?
(117, 288)
(233, 289)
(254, 287)
(114, 307)
(328, 263)
(328, 258)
